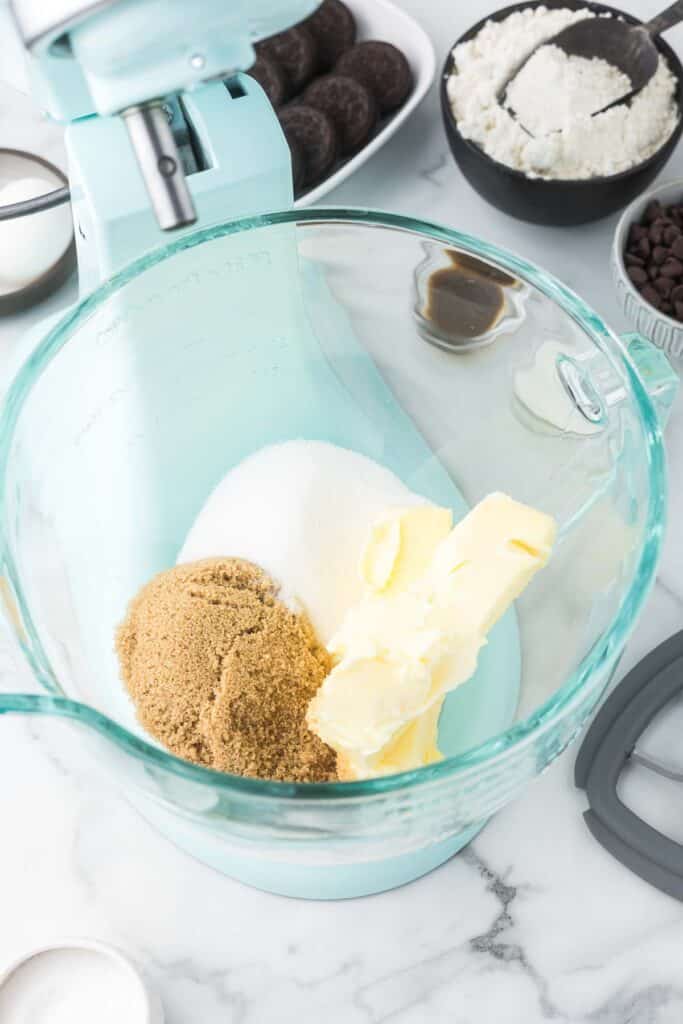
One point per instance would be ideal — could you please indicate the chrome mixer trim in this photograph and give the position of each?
(160, 163)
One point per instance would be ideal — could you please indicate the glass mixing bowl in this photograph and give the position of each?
(464, 369)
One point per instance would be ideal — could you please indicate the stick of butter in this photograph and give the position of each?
(398, 552)
(432, 594)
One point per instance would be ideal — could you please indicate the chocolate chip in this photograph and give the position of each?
(653, 211)
(663, 285)
(652, 296)
(653, 256)
(637, 274)
(672, 268)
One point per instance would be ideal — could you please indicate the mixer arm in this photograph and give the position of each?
(124, 57)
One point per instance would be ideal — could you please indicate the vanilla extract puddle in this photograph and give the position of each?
(466, 299)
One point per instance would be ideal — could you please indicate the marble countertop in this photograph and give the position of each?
(533, 922)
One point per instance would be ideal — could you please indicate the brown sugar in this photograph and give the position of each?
(221, 671)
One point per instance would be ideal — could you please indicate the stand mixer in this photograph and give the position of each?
(217, 327)
(163, 133)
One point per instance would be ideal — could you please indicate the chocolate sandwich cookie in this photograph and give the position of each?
(381, 68)
(271, 78)
(295, 52)
(316, 137)
(350, 106)
(298, 159)
(333, 28)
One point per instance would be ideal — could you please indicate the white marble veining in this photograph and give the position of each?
(533, 923)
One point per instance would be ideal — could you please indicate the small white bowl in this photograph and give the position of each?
(660, 329)
(381, 19)
(81, 973)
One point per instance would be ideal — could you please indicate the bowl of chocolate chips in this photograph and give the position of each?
(647, 265)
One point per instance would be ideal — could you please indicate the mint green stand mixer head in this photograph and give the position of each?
(235, 327)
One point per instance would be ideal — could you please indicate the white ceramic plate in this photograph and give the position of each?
(662, 330)
(381, 19)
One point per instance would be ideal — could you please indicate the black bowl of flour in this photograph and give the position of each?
(559, 202)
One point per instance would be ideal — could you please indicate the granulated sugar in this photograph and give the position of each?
(301, 511)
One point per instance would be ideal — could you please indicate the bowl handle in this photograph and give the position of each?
(658, 376)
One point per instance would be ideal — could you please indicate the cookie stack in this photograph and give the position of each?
(329, 90)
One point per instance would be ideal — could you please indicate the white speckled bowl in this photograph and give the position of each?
(662, 330)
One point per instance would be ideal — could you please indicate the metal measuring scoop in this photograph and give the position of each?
(630, 48)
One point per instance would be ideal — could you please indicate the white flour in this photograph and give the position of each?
(555, 92)
(553, 89)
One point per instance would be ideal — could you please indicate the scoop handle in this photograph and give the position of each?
(666, 20)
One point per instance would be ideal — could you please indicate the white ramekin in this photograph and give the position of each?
(124, 973)
(660, 329)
